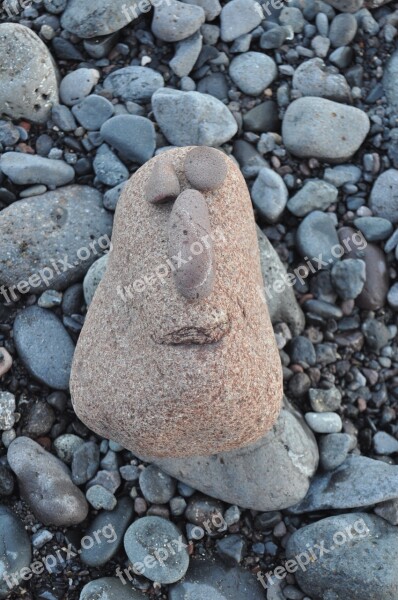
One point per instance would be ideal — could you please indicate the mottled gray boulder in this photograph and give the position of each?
(44, 346)
(28, 76)
(59, 235)
(135, 84)
(251, 477)
(46, 485)
(212, 580)
(320, 128)
(282, 306)
(192, 118)
(359, 558)
(88, 19)
(359, 481)
(313, 78)
(28, 169)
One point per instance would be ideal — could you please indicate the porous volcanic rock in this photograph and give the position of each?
(170, 376)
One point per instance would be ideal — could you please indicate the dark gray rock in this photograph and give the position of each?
(376, 334)
(212, 580)
(349, 277)
(93, 111)
(157, 487)
(325, 400)
(149, 536)
(134, 84)
(112, 525)
(63, 118)
(192, 118)
(27, 169)
(302, 350)
(46, 485)
(93, 278)
(16, 552)
(231, 549)
(85, 462)
(316, 236)
(214, 84)
(187, 53)
(343, 29)
(334, 448)
(44, 346)
(112, 196)
(375, 229)
(87, 19)
(60, 234)
(262, 118)
(133, 136)
(250, 477)
(350, 540)
(359, 481)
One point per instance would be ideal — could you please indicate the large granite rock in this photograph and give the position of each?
(51, 240)
(28, 76)
(268, 475)
(182, 370)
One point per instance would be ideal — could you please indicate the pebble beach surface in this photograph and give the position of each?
(303, 96)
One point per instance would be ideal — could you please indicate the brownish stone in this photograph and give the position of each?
(205, 168)
(163, 375)
(163, 183)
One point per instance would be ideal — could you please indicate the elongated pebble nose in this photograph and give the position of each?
(191, 245)
(205, 168)
(163, 184)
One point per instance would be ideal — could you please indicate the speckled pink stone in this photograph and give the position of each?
(166, 376)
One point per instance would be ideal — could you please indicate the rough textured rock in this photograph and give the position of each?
(359, 481)
(360, 556)
(28, 78)
(205, 169)
(212, 580)
(319, 128)
(250, 477)
(87, 19)
(282, 304)
(51, 245)
(46, 485)
(193, 118)
(180, 410)
(135, 84)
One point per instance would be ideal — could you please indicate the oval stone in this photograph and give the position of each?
(205, 168)
(163, 184)
(191, 246)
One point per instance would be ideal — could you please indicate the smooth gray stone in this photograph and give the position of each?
(93, 111)
(359, 481)
(384, 443)
(361, 560)
(250, 477)
(192, 118)
(349, 277)
(326, 422)
(390, 81)
(88, 19)
(282, 306)
(16, 551)
(44, 346)
(314, 195)
(111, 197)
(112, 524)
(27, 169)
(239, 17)
(383, 198)
(316, 237)
(187, 53)
(78, 84)
(148, 536)
(46, 251)
(133, 136)
(157, 487)
(333, 449)
(134, 84)
(269, 194)
(63, 118)
(375, 229)
(108, 168)
(320, 128)
(174, 21)
(253, 72)
(110, 588)
(212, 580)
(28, 77)
(212, 8)
(342, 30)
(46, 485)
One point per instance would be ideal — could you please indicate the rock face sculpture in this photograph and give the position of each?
(177, 356)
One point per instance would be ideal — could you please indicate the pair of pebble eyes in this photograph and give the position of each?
(205, 168)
